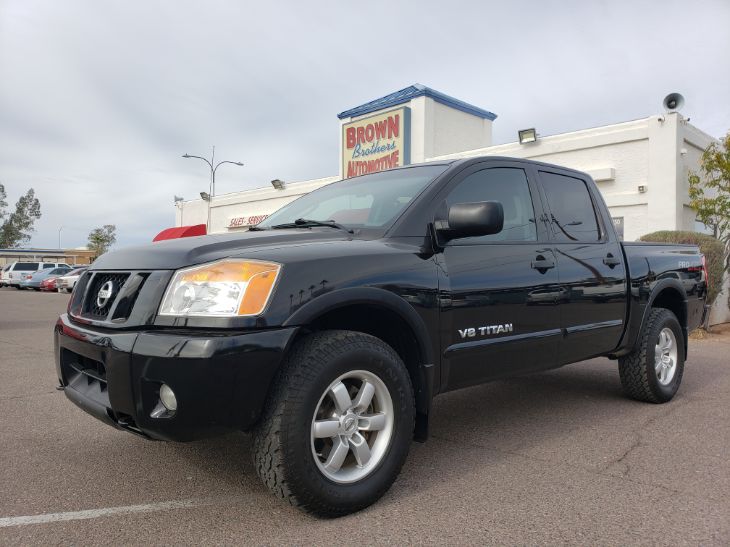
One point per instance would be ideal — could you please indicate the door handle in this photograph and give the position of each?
(542, 263)
(611, 261)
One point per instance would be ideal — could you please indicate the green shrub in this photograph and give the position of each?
(710, 246)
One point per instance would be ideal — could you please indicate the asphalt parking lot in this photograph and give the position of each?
(559, 457)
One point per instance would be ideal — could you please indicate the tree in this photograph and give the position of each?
(709, 190)
(17, 227)
(3, 203)
(100, 239)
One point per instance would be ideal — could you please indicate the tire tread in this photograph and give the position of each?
(301, 366)
(634, 368)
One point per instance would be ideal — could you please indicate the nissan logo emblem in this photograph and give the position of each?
(104, 294)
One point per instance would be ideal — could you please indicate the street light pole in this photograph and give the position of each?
(59, 236)
(213, 168)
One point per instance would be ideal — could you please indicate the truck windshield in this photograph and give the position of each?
(370, 201)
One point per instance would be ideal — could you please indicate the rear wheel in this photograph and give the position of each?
(338, 424)
(653, 371)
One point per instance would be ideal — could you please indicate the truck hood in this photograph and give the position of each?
(178, 253)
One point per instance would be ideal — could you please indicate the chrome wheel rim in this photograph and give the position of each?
(665, 356)
(352, 427)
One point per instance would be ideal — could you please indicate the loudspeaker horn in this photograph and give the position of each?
(673, 102)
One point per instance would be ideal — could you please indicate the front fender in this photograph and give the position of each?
(341, 298)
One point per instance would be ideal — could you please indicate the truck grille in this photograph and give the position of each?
(101, 293)
(107, 296)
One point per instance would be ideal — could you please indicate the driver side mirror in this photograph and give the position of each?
(479, 218)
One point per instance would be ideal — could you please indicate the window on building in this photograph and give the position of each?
(508, 186)
(573, 216)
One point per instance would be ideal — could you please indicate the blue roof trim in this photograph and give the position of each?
(411, 92)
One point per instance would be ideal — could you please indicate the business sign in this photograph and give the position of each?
(242, 222)
(376, 143)
(618, 224)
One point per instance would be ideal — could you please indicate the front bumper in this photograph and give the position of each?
(220, 379)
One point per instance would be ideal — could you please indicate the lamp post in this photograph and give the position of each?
(59, 236)
(213, 168)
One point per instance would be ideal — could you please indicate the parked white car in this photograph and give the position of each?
(14, 273)
(66, 283)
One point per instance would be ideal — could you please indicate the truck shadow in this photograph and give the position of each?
(510, 414)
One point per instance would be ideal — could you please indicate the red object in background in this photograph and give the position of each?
(48, 284)
(182, 231)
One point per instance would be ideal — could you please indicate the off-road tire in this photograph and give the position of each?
(638, 376)
(282, 452)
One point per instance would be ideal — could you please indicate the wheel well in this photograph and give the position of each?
(672, 300)
(395, 331)
(381, 323)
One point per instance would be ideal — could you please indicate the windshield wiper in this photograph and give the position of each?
(308, 223)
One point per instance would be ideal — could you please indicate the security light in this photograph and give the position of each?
(527, 135)
(178, 199)
(205, 196)
(278, 184)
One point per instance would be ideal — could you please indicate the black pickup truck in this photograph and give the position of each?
(327, 329)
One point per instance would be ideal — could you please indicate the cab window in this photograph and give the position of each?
(573, 216)
(507, 185)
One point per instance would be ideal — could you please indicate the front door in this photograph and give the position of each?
(498, 294)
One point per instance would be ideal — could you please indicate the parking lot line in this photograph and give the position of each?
(45, 518)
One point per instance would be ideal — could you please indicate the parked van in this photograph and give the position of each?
(14, 273)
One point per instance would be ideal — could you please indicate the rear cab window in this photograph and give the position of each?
(573, 216)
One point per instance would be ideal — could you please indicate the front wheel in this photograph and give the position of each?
(338, 424)
(653, 371)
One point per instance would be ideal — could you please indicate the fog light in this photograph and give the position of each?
(167, 397)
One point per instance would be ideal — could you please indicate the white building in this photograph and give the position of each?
(641, 166)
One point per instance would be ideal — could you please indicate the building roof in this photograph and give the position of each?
(411, 92)
(31, 250)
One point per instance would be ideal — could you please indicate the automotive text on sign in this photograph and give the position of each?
(376, 143)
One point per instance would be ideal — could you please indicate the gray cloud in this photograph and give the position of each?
(98, 100)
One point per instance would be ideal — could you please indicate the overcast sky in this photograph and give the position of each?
(99, 99)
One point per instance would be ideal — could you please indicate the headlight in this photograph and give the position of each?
(227, 288)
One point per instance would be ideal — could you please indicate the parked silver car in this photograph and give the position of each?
(66, 283)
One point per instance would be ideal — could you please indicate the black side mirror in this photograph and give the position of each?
(479, 218)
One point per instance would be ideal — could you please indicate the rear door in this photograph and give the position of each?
(497, 293)
(590, 263)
